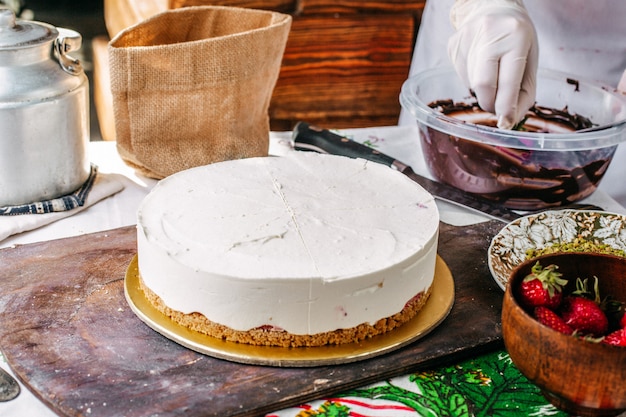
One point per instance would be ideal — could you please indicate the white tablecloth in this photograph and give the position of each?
(119, 210)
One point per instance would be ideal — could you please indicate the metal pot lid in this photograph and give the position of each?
(20, 34)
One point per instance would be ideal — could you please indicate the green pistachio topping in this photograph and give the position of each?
(578, 245)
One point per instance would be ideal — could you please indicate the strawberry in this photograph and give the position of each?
(542, 287)
(582, 313)
(617, 338)
(549, 318)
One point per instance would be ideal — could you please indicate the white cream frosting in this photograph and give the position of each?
(307, 243)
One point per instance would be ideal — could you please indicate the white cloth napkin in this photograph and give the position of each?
(104, 186)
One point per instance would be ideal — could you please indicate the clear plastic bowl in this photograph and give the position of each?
(522, 170)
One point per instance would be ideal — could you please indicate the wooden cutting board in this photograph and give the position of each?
(69, 335)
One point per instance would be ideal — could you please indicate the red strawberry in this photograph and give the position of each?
(583, 313)
(549, 318)
(617, 338)
(542, 287)
(622, 322)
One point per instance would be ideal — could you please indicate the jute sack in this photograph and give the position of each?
(192, 86)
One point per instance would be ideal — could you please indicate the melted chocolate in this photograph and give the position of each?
(562, 117)
(518, 178)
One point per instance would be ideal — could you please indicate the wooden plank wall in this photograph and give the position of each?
(345, 60)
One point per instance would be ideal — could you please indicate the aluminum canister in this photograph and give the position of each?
(44, 112)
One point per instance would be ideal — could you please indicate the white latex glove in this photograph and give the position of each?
(495, 52)
(621, 87)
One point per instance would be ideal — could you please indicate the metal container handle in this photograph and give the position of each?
(67, 41)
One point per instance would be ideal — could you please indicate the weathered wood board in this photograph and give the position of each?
(70, 337)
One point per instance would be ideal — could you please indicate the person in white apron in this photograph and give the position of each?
(586, 39)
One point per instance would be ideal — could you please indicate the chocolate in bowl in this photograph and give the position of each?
(519, 178)
(558, 158)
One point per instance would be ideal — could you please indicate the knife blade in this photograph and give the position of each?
(307, 137)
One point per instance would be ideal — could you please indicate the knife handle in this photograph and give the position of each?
(308, 137)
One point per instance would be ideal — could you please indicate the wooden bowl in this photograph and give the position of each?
(576, 376)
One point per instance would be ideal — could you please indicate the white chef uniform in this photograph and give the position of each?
(584, 38)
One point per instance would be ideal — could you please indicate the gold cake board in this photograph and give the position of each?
(429, 317)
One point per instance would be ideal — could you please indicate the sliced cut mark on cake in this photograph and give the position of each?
(325, 248)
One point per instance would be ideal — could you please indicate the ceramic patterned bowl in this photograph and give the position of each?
(583, 230)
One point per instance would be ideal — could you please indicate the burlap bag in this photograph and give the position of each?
(192, 86)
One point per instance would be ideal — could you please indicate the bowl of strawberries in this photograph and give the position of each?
(564, 326)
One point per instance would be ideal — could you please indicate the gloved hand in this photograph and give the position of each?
(495, 52)
(621, 87)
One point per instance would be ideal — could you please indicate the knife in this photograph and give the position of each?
(307, 137)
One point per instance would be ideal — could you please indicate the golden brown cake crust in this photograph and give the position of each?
(271, 337)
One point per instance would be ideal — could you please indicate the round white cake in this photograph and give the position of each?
(300, 250)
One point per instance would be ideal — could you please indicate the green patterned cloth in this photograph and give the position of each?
(489, 385)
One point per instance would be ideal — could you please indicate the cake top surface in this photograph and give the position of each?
(302, 215)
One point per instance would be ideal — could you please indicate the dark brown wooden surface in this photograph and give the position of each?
(300, 7)
(361, 6)
(69, 335)
(345, 60)
(283, 6)
(339, 70)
